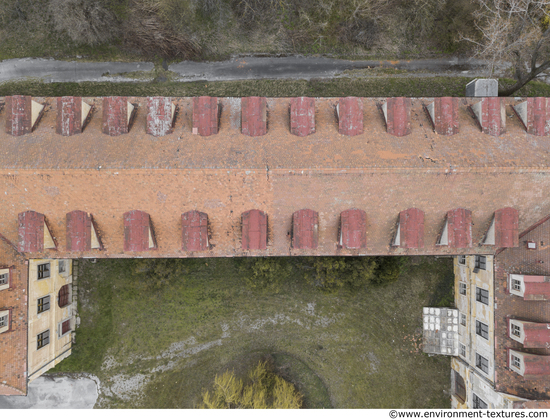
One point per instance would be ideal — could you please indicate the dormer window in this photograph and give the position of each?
(516, 330)
(516, 361)
(4, 278)
(4, 320)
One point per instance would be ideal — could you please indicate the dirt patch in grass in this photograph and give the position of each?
(163, 348)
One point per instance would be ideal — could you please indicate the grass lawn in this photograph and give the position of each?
(159, 345)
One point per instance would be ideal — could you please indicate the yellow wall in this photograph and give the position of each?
(41, 360)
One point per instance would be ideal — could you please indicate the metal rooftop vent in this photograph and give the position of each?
(205, 116)
(443, 113)
(34, 234)
(254, 116)
(410, 229)
(457, 230)
(350, 116)
(72, 115)
(254, 230)
(482, 88)
(305, 229)
(534, 113)
(81, 232)
(194, 231)
(397, 115)
(138, 232)
(160, 115)
(302, 116)
(353, 229)
(117, 115)
(490, 115)
(503, 230)
(23, 114)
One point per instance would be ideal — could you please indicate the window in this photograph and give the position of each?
(478, 402)
(460, 387)
(462, 259)
(61, 266)
(482, 295)
(63, 296)
(462, 349)
(516, 284)
(463, 319)
(4, 320)
(3, 279)
(516, 362)
(64, 328)
(482, 330)
(482, 363)
(481, 262)
(516, 330)
(42, 339)
(43, 271)
(462, 288)
(43, 304)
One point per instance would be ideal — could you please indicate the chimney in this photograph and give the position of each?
(23, 114)
(72, 115)
(117, 115)
(138, 232)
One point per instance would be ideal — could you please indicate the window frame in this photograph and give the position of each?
(461, 259)
(40, 305)
(478, 403)
(60, 325)
(42, 339)
(41, 272)
(463, 319)
(462, 350)
(480, 365)
(480, 263)
(516, 285)
(462, 287)
(482, 330)
(515, 362)
(59, 264)
(64, 295)
(515, 328)
(7, 327)
(6, 273)
(480, 296)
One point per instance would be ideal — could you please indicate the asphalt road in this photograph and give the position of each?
(240, 68)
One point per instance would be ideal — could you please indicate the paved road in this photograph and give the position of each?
(242, 68)
(59, 392)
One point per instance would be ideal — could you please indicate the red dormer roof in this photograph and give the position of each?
(533, 335)
(194, 231)
(138, 233)
(457, 231)
(254, 229)
(254, 116)
(443, 113)
(34, 234)
(534, 113)
(411, 229)
(160, 115)
(536, 288)
(506, 228)
(116, 120)
(205, 115)
(490, 115)
(350, 116)
(20, 119)
(397, 113)
(534, 365)
(305, 229)
(353, 229)
(81, 232)
(302, 116)
(71, 117)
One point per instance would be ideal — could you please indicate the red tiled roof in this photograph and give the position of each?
(411, 228)
(205, 115)
(534, 113)
(491, 116)
(353, 229)
(137, 228)
(31, 231)
(398, 116)
(194, 231)
(506, 228)
(536, 365)
(536, 290)
(79, 231)
(305, 229)
(69, 115)
(459, 228)
(302, 116)
(159, 116)
(254, 230)
(115, 115)
(350, 116)
(254, 116)
(19, 118)
(537, 335)
(443, 113)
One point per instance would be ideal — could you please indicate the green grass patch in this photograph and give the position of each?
(367, 87)
(160, 343)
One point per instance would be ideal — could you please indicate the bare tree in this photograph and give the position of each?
(514, 31)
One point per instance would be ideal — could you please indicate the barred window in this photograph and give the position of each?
(482, 330)
(516, 330)
(482, 363)
(43, 339)
(482, 295)
(43, 304)
(462, 288)
(478, 402)
(460, 387)
(63, 296)
(43, 271)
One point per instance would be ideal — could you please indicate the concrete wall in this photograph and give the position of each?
(41, 360)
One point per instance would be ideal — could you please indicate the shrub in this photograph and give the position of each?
(388, 269)
(155, 273)
(262, 389)
(266, 274)
(85, 21)
(333, 273)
